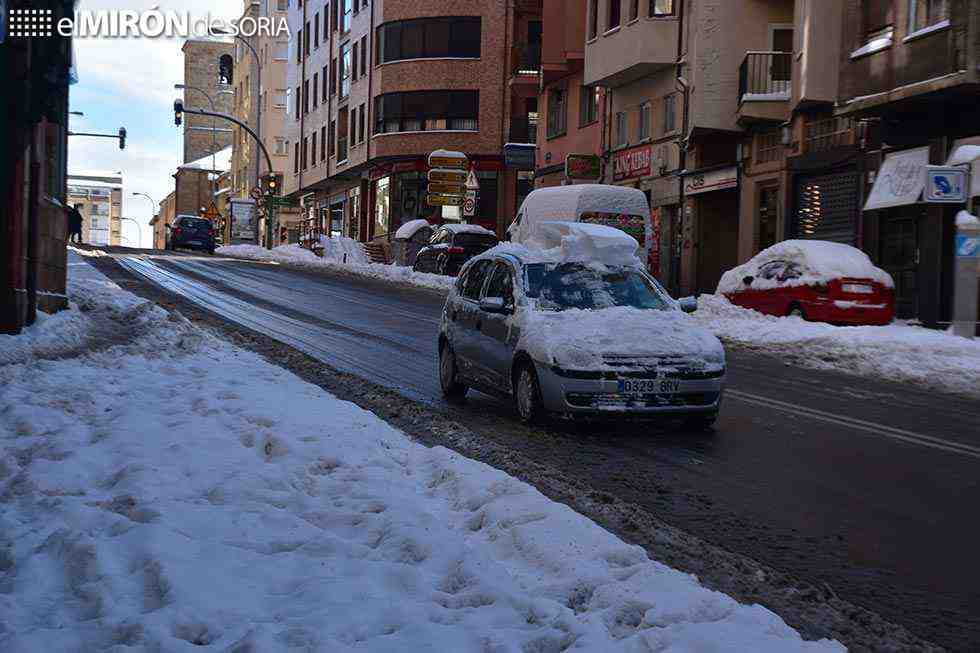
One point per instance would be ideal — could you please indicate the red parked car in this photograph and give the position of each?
(813, 279)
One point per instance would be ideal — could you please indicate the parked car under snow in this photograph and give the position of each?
(816, 280)
(580, 329)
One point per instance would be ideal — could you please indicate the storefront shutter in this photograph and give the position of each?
(827, 207)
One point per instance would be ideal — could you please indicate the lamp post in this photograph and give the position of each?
(214, 145)
(153, 206)
(139, 230)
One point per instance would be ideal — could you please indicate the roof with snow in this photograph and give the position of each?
(459, 228)
(221, 162)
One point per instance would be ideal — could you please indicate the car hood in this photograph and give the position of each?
(603, 339)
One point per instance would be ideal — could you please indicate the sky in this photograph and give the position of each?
(130, 83)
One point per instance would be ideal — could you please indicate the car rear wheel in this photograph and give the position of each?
(527, 395)
(452, 389)
(796, 311)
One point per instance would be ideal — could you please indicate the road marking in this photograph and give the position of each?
(858, 424)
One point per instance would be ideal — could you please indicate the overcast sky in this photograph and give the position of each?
(130, 83)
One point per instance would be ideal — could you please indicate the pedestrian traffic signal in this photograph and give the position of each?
(178, 112)
(122, 138)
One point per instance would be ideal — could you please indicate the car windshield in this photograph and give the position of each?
(592, 286)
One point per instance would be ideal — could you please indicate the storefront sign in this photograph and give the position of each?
(443, 200)
(632, 163)
(448, 159)
(704, 182)
(900, 179)
(450, 176)
(945, 185)
(583, 166)
(520, 155)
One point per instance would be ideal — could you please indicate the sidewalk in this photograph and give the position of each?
(162, 489)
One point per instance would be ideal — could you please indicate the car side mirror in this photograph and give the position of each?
(748, 280)
(495, 305)
(688, 304)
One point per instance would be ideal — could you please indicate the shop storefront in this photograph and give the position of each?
(711, 218)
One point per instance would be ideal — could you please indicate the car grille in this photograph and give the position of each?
(652, 367)
(606, 400)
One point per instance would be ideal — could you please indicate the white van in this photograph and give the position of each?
(624, 208)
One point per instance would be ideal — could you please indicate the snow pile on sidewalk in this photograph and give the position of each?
(341, 249)
(301, 257)
(184, 494)
(897, 352)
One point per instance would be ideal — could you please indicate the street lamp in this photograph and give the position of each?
(139, 230)
(153, 210)
(214, 165)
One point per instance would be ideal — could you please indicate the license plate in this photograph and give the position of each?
(648, 386)
(193, 242)
(857, 288)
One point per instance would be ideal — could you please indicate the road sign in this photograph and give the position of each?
(967, 246)
(472, 183)
(211, 213)
(448, 159)
(945, 185)
(446, 188)
(443, 200)
(469, 204)
(583, 166)
(451, 176)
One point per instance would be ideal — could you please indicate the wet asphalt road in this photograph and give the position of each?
(869, 486)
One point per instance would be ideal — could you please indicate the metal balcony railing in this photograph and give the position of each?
(827, 134)
(765, 76)
(523, 130)
(526, 58)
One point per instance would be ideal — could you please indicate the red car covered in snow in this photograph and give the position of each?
(813, 279)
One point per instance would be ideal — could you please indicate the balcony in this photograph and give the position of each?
(828, 134)
(523, 130)
(526, 62)
(765, 83)
(638, 49)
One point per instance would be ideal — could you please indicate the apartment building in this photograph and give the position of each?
(260, 98)
(375, 86)
(100, 197)
(573, 113)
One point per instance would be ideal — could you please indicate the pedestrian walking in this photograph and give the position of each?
(75, 223)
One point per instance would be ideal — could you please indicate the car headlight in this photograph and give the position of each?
(715, 357)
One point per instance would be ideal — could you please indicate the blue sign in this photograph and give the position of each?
(945, 185)
(967, 246)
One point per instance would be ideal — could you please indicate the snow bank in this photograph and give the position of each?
(301, 257)
(896, 352)
(581, 339)
(410, 228)
(820, 261)
(582, 242)
(266, 515)
(966, 219)
(341, 249)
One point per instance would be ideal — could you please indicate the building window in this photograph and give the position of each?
(345, 70)
(360, 123)
(646, 113)
(316, 85)
(306, 39)
(593, 18)
(279, 98)
(382, 198)
(634, 9)
(282, 5)
(333, 76)
(769, 146)
(282, 146)
(323, 83)
(226, 70)
(306, 97)
(429, 38)
(281, 51)
(353, 61)
(334, 19)
(364, 52)
(621, 136)
(345, 13)
(876, 15)
(304, 152)
(926, 13)
(588, 111)
(316, 31)
(296, 157)
(660, 8)
(615, 14)
(331, 143)
(323, 143)
(557, 112)
(426, 110)
(298, 102)
(353, 126)
(670, 113)
(313, 149)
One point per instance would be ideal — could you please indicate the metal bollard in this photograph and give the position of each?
(967, 254)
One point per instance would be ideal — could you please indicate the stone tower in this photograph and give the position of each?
(208, 65)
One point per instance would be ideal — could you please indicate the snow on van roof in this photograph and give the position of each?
(410, 228)
(566, 202)
(580, 242)
(821, 261)
(458, 228)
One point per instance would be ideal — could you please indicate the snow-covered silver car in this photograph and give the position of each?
(576, 339)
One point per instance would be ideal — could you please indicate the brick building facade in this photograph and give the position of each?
(209, 65)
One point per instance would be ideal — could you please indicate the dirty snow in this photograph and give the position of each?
(301, 257)
(820, 261)
(172, 491)
(410, 228)
(896, 352)
(342, 249)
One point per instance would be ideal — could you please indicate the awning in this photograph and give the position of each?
(900, 179)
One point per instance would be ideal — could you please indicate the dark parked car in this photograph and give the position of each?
(451, 246)
(193, 233)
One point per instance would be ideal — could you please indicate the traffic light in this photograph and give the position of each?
(270, 184)
(122, 138)
(178, 112)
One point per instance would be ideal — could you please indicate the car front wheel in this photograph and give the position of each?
(452, 389)
(527, 395)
